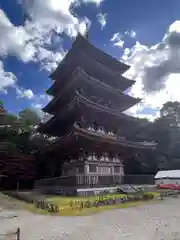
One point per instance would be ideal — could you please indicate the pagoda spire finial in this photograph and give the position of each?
(86, 35)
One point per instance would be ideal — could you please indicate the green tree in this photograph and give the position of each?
(171, 112)
(29, 117)
(1, 104)
(166, 131)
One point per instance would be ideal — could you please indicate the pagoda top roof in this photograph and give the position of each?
(83, 45)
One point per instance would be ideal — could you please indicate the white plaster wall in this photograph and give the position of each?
(122, 170)
(104, 170)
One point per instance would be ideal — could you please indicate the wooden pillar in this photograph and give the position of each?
(18, 234)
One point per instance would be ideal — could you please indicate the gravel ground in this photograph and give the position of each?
(154, 221)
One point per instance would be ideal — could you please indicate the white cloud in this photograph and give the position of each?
(24, 93)
(7, 79)
(47, 21)
(14, 40)
(49, 60)
(52, 14)
(39, 102)
(156, 70)
(33, 41)
(117, 40)
(37, 108)
(126, 54)
(150, 117)
(25, 42)
(102, 19)
(138, 111)
(28, 93)
(131, 33)
(97, 2)
(55, 15)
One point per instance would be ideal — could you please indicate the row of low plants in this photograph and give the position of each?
(48, 206)
(103, 201)
(99, 202)
(172, 193)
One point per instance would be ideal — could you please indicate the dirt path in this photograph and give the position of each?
(154, 221)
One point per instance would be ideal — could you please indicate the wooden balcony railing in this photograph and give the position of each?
(80, 181)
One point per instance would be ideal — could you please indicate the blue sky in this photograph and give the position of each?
(36, 34)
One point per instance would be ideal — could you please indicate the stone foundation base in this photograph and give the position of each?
(78, 191)
(96, 191)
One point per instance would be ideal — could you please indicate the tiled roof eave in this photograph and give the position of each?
(112, 140)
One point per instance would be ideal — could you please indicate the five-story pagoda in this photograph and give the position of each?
(88, 119)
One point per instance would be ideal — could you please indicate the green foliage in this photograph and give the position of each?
(166, 132)
(171, 113)
(18, 131)
(147, 196)
(29, 117)
(1, 104)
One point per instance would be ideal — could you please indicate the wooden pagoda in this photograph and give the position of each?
(87, 117)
